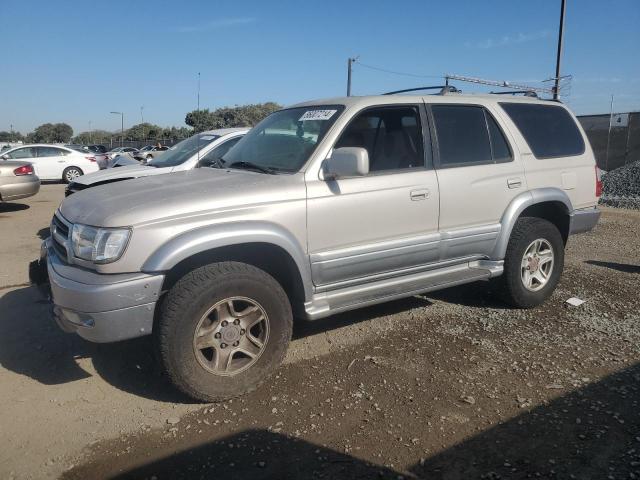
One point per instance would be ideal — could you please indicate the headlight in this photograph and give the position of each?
(98, 245)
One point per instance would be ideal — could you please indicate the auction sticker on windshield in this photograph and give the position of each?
(317, 115)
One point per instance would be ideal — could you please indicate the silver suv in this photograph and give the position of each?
(323, 207)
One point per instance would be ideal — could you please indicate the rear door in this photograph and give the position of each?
(51, 162)
(383, 223)
(479, 172)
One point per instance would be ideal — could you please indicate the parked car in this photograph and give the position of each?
(101, 158)
(150, 153)
(323, 207)
(121, 151)
(54, 162)
(17, 180)
(97, 148)
(202, 149)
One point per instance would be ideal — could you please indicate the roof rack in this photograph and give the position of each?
(443, 89)
(526, 93)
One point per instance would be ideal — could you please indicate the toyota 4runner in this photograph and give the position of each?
(323, 207)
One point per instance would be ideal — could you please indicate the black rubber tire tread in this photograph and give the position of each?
(64, 173)
(184, 305)
(509, 285)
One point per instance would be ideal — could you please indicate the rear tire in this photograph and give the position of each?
(215, 304)
(69, 174)
(533, 263)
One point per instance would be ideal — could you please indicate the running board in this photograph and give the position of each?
(349, 298)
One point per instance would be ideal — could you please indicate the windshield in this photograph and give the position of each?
(283, 141)
(183, 151)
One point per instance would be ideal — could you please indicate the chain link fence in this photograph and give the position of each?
(615, 138)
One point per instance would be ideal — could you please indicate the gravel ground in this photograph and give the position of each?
(452, 385)
(621, 187)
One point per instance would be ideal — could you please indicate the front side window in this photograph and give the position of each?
(183, 151)
(391, 135)
(25, 152)
(549, 130)
(284, 141)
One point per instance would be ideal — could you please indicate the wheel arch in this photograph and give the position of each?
(260, 244)
(551, 204)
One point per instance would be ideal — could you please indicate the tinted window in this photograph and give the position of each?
(462, 135)
(499, 146)
(392, 137)
(549, 130)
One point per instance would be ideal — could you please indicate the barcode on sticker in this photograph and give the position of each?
(317, 115)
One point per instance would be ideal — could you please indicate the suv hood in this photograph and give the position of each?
(179, 195)
(120, 173)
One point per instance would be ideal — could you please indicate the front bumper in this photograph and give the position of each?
(583, 220)
(101, 308)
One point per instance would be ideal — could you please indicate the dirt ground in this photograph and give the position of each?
(450, 385)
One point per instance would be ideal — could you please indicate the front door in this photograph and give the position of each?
(386, 222)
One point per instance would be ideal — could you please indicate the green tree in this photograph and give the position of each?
(228, 117)
(94, 136)
(51, 133)
(10, 137)
(143, 131)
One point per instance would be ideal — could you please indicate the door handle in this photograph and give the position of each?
(422, 194)
(514, 183)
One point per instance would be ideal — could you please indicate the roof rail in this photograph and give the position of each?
(443, 89)
(526, 93)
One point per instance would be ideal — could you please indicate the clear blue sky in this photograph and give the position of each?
(75, 61)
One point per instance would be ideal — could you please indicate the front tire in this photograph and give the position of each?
(223, 329)
(71, 173)
(533, 263)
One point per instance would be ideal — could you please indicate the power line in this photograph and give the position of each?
(405, 74)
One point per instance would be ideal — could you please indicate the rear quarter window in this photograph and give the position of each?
(549, 130)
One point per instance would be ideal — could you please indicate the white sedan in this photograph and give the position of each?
(201, 150)
(54, 162)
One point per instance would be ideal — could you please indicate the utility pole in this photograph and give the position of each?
(121, 126)
(556, 87)
(142, 120)
(11, 129)
(90, 139)
(350, 62)
(198, 92)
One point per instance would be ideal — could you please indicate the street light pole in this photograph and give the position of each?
(556, 87)
(121, 126)
(90, 139)
(142, 119)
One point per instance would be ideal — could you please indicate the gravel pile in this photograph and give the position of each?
(621, 187)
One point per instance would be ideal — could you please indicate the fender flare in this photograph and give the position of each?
(199, 240)
(517, 206)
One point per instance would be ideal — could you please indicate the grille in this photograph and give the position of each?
(59, 235)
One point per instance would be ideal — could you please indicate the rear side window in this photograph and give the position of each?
(549, 130)
(468, 135)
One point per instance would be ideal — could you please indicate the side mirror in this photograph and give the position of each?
(346, 162)
(5, 157)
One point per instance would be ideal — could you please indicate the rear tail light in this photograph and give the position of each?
(23, 170)
(598, 182)
(91, 159)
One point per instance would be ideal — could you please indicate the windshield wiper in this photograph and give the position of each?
(253, 166)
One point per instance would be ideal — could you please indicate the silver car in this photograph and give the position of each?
(323, 207)
(17, 180)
